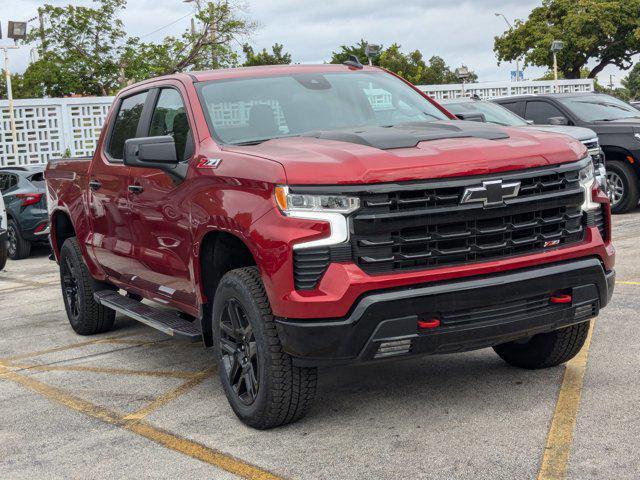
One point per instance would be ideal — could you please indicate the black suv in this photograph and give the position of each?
(617, 124)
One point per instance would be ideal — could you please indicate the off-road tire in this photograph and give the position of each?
(545, 349)
(90, 317)
(629, 180)
(285, 392)
(3, 251)
(21, 248)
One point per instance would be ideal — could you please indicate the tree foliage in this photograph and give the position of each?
(85, 50)
(410, 65)
(276, 57)
(606, 32)
(632, 82)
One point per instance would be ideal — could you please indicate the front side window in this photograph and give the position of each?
(170, 118)
(126, 124)
(541, 112)
(591, 108)
(258, 109)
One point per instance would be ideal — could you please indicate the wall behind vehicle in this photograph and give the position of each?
(487, 90)
(50, 128)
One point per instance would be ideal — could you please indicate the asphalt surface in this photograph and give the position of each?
(133, 403)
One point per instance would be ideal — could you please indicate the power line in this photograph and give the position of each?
(165, 26)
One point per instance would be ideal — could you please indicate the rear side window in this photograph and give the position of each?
(126, 124)
(170, 118)
(7, 181)
(541, 112)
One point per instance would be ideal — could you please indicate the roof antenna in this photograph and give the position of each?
(353, 62)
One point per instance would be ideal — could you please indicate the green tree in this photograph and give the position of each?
(632, 82)
(85, 50)
(346, 51)
(606, 32)
(410, 66)
(277, 57)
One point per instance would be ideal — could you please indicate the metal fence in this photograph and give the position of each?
(50, 128)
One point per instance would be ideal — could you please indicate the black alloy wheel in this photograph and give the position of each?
(239, 350)
(70, 287)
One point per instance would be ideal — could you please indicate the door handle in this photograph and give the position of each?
(136, 188)
(94, 185)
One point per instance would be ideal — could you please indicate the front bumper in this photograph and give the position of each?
(474, 313)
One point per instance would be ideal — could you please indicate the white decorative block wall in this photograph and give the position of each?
(48, 128)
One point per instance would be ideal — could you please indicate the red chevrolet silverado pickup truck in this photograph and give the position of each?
(293, 217)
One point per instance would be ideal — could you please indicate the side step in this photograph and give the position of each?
(167, 322)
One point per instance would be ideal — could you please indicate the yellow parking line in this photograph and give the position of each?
(110, 371)
(621, 282)
(560, 438)
(37, 353)
(170, 395)
(144, 429)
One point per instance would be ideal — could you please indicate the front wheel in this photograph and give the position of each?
(86, 316)
(264, 388)
(545, 349)
(622, 186)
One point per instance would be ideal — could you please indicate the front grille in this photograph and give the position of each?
(407, 226)
(417, 226)
(591, 144)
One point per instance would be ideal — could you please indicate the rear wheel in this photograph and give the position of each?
(18, 248)
(545, 349)
(86, 316)
(622, 186)
(264, 388)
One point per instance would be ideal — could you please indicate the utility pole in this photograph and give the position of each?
(610, 82)
(212, 37)
(511, 29)
(12, 119)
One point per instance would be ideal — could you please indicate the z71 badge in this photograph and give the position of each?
(209, 163)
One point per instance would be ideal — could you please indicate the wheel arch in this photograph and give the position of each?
(219, 252)
(60, 230)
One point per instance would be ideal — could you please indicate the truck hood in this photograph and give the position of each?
(309, 160)
(579, 133)
(622, 125)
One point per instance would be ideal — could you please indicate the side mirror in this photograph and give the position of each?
(151, 152)
(558, 121)
(472, 117)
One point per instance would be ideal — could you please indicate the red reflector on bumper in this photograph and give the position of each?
(431, 323)
(560, 299)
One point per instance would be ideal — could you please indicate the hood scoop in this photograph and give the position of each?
(408, 135)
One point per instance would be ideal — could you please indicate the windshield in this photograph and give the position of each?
(493, 112)
(590, 108)
(245, 111)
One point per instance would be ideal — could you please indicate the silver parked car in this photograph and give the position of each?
(486, 111)
(3, 234)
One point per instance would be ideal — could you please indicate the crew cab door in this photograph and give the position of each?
(160, 207)
(110, 213)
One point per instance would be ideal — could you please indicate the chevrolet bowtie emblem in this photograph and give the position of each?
(492, 193)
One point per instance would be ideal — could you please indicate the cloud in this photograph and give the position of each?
(460, 32)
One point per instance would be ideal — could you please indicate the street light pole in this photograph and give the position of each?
(556, 46)
(511, 29)
(12, 119)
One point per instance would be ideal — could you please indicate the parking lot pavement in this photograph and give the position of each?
(133, 403)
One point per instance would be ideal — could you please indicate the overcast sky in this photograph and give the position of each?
(460, 32)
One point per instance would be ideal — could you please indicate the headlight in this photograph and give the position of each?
(587, 178)
(328, 208)
(637, 135)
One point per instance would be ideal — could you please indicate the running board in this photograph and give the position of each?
(167, 322)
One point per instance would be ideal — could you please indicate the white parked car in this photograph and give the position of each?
(3, 234)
